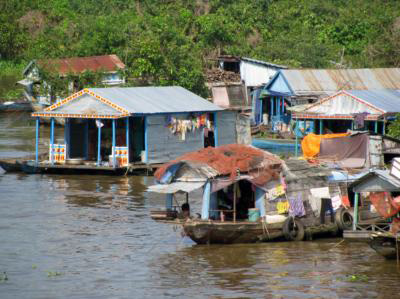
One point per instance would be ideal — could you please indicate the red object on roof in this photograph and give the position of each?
(231, 158)
(105, 63)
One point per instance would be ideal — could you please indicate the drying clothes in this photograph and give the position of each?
(315, 203)
(282, 207)
(277, 191)
(336, 202)
(359, 119)
(320, 192)
(296, 206)
(345, 201)
(326, 205)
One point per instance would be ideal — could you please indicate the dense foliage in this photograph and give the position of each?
(172, 41)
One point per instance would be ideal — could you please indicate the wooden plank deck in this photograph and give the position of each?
(94, 169)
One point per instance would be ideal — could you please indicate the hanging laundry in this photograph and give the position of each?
(277, 191)
(345, 201)
(336, 202)
(282, 207)
(296, 206)
(359, 119)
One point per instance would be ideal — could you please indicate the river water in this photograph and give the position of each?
(92, 237)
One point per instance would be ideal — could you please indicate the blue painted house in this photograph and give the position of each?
(115, 127)
(294, 87)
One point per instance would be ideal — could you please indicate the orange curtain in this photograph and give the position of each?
(311, 143)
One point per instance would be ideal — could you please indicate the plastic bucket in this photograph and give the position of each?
(254, 215)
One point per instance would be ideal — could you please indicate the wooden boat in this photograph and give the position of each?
(30, 167)
(11, 165)
(15, 106)
(385, 245)
(217, 232)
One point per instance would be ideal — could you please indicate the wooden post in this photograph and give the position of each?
(355, 220)
(98, 145)
(234, 202)
(296, 149)
(216, 129)
(384, 127)
(52, 140)
(376, 126)
(37, 140)
(127, 138)
(272, 106)
(321, 127)
(113, 142)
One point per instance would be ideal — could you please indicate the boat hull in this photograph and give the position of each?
(386, 247)
(216, 232)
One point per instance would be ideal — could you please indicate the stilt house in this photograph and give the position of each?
(115, 127)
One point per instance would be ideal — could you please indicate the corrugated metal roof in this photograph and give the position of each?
(63, 66)
(382, 174)
(264, 63)
(305, 81)
(386, 100)
(122, 101)
(148, 100)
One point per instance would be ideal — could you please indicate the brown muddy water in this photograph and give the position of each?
(92, 237)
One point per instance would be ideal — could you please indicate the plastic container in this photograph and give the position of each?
(254, 215)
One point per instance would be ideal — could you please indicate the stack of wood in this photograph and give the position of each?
(218, 75)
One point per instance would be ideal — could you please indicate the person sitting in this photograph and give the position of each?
(185, 211)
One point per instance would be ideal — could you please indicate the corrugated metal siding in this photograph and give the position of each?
(164, 146)
(375, 151)
(226, 125)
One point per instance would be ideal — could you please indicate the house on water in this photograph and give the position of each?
(367, 110)
(120, 128)
(238, 76)
(294, 87)
(109, 65)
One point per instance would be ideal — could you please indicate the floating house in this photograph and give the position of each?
(249, 195)
(352, 109)
(294, 87)
(110, 65)
(237, 78)
(374, 203)
(120, 128)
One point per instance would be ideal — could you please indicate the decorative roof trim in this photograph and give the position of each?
(341, 116)
(61, 115)
(344, 92)
(89, 92)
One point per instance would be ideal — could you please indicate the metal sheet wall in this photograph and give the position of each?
(164, 146)
(226, 126)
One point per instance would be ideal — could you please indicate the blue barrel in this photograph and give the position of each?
(254, 215)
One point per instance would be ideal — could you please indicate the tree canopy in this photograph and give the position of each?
(171, 42)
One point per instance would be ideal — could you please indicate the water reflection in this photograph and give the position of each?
(97, 232)
(278, 270)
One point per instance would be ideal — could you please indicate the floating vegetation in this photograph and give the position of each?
(356, 278)
(53, 273)
(3, 277)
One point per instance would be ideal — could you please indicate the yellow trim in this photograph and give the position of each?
(80, 93)
(78, 115)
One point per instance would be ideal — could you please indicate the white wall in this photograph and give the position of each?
(254, 74)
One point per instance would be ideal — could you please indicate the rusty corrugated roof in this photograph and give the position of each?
(305, 81)
(106, 63)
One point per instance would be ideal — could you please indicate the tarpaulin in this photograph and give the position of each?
(349, 151)
(311, 143)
